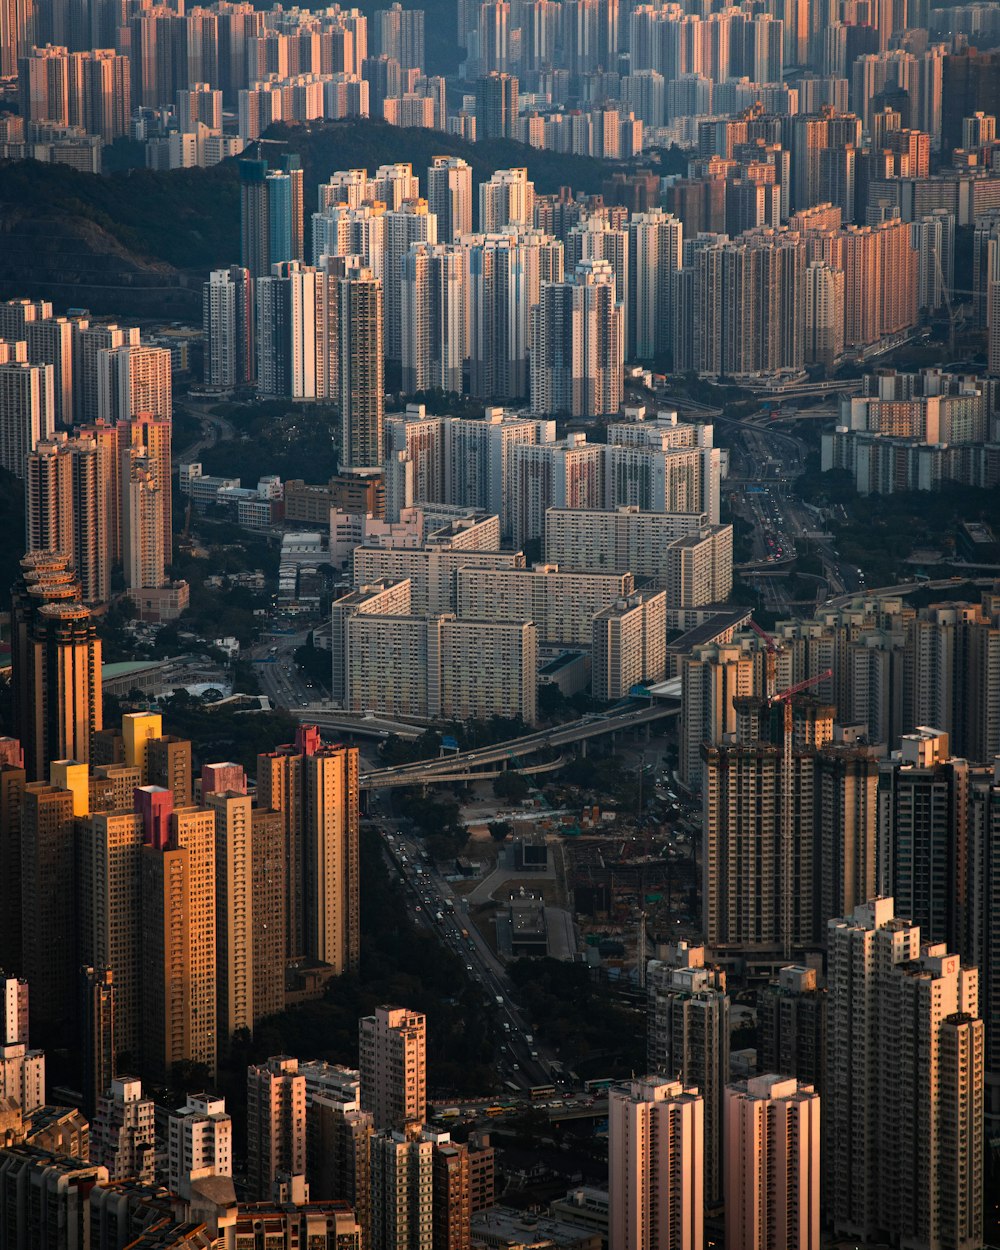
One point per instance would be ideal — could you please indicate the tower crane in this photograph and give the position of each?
(784, 697)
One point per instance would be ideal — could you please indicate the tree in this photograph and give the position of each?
(499, 829)
(512, 786)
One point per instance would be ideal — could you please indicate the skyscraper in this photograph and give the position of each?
(27, 406)
(178, 934)
(276, 1124)
(656, 1165)
(271, 215)
(654, 257)
(791, 1016)
(393, 1046)
(234, 906)
(449, 197)
(360, 319)
(507, 199)
(199, 1136)
(687, 1038)
(923, 796)
(496, 108)
(228, 327)
(578, 345)
(402, 1204)
(772, 1165)
(434, 317)
(97, 1057)
(927, 1188)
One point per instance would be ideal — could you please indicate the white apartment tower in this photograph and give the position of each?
(654, 256)
(655, 1165)
(22, 1071)
(772, 1165)
(904, 1049)
(228, 327)
(402, 1204)
(393, 1061)
(411, 223)
(27, 406)
(123, 1138)
(578, 345)
(434, 318)
(508, 199)
(199, 1142)
(449, 197)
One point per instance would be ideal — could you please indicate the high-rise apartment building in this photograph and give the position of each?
(280, 788)
(399, 33)
(110, 908)
(97, 1019)
(51, 342)
(496, 109)
(982, 942)
(199, 1141)
(578, 345)
(360, 320)
(687, 1038)
(927, 1189)
(22, 1070)
(772, 1165)
(434, 319)
(134, 380)
(177, 874)
(411, 223)
(393, 1063)
(234, 909)
(567, 474)
(628, 644)
(449, 197)
(269, 892)
(330, 856)
(791, 1016)
(923, 796)
(291, 313)
(452, 1192)
(27, 406)
(123, 1136)
(276, 1124)
(152, 434)
(402, 1187)
(271, 215)
(228, 328)
(507, 199)
(656, 1165)
(654, 257)
(56, 660)
(48, 901)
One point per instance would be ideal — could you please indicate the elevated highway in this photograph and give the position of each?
(463, 764)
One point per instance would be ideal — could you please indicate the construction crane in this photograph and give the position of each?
(785, 697)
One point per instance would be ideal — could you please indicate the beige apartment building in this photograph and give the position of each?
(434, 666)
(629, 644)
(561, 604)
(904, 1048)
(772, 1165)
(656, 1165)
(431, 571)
(393, 1061)
(276, 1123)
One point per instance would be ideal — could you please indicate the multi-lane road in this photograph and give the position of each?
(524, 1062)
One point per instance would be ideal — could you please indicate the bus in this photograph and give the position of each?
(598, 1084)
(541, 1091)
(512, 1086)
(494, 1110)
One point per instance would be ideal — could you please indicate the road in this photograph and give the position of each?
(274, 663)
(576, 731)
(434, 906)
(214, 429)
